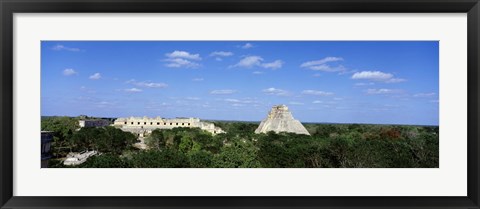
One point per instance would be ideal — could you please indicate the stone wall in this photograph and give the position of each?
(144, 125)
(93, 123)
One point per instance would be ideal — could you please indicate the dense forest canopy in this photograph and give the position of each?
(329, 146)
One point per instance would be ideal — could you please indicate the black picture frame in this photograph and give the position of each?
(10, 7)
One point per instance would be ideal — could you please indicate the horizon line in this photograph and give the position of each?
(304, 122)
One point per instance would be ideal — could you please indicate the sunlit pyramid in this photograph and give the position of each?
(280, 119)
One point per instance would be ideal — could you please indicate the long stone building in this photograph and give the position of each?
(93, 123)
(144, 125)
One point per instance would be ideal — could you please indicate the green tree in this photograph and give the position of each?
(166, 158)
(63, 129)
(200, 159)
(156, 140)
(238, 154)
(105, 140)
(104, 161)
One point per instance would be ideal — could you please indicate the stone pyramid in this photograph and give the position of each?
(280, 119)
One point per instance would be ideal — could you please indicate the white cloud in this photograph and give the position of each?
(147, 84)
(377, 76)
(69, 72)
(221, 54)
(246, 46)
(273, 65)
(183, 55)
(321, 62)
(242, 101)
(328, 68)
(321, 65)
(232, 100)
(257, 72)
(317, 75)
(249, 62)
(325, 102)
(254, 61)
(179, 63)
(316, 93)
(197, 79)
(295, 103)
(275, 91)
(60, 47)
(133, 90)
(152, 85)
(223, 91)
(424, 94)
(382, 91)
(179, 59)
(95, 76)
(372, 75)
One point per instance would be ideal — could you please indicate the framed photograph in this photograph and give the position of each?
(238, 104)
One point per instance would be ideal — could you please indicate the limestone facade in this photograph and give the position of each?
(143, 125)
(280, 119)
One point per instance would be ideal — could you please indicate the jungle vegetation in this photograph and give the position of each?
(329, 146)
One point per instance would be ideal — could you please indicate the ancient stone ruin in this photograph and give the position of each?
(145, 125)
(280, 119)
(78, 158)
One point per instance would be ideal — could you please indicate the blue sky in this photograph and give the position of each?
(380, 82)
